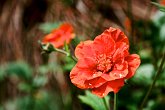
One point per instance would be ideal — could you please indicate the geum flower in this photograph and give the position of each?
(162, 2)
(59, 36)
(105, 63)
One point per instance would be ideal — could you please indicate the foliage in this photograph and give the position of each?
(94, 101)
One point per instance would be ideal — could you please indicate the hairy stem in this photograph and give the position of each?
(105, 103)
(115, 102)
(66, 53)
(153, 83)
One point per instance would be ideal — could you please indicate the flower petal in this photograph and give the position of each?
(60, 35)
(96, 82)
(133, 63)
(78, 76)
(82, 71)
(66, 27)
(87, 63)
(104, 44)
(116, 84)
(107, 77)
(117, 35)
(84, 49)
(120, 70)
(103, 90)
(121, 51)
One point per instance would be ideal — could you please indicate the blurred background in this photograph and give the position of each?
(30, 80)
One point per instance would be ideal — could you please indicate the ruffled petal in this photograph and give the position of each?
(116, 84)
(60, 35)
(120, 70)
(102, 90)
(110, 86)
(51, 37)
(84, 49)
(83, 70)
(66, 27)
(104, 44)
(133, 63)
(107, 77)
(117, 35)
(96, 82)
(121, 51)
(78, 76)
(87, 63)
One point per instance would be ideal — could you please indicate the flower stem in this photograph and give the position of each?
(49, 48)
(115, 102)
(105, 103)
(72, 57)
(153, 83)
(62, 51)
(66, 53)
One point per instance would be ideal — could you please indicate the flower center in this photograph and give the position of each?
(104, 63)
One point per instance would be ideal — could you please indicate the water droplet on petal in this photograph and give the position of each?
(120, 75)
(90, 84)
(103, 94)
(94, 75)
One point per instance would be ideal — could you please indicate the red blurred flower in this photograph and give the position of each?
(60, 35)
(162, 2)
(104, 64)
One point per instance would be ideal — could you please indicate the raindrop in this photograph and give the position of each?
(101, 55)
(90, 84)
(94, 75)
(125, 47)
(120, 75)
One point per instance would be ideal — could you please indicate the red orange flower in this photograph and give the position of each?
(162, 2)
(60, 35)
(104, 64)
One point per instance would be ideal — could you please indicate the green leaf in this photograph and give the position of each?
(66, 47)
(44, 69)
(24, 87)
(10, 105)
(69, 64)
(162, 32)
(39, 81)
(93, 101)
(144, 74)
(1, 108)
(48, 27)
(20, 69)
(161, 8)
(68, 2)
(144, 53)
(2, 72)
